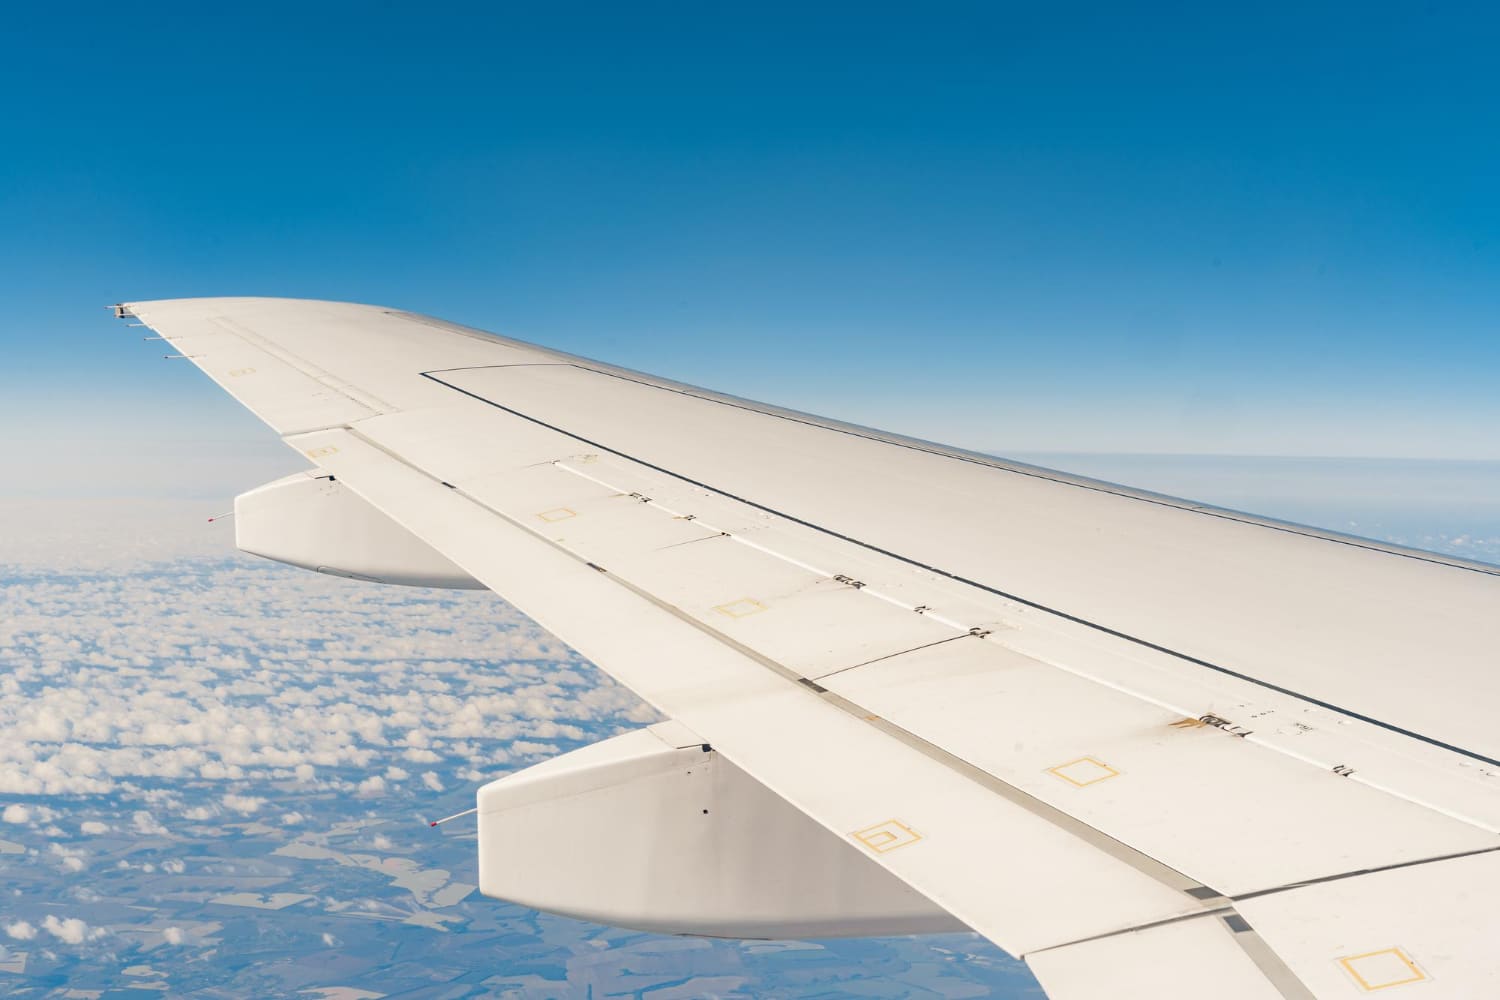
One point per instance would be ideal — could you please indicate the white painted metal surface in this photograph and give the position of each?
(636, 832)
(1161, 706)
(1233, 594)
(1231, 814)
(310, 520)
(1188, 960)
(1426, 931)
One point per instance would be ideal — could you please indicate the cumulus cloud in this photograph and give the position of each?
(206, 700)
(264, 682)
(243, 804)
(71, 858)
(246, 673)
(147, 824)
(70, 929)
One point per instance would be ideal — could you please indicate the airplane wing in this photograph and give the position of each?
(1156, 748)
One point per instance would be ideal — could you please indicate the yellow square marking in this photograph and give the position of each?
(320, 452)
(887, 836)
(1379, 970)
(1084, 771)
(557, 514)
(743, 608)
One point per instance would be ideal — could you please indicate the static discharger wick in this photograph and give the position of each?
(466, 812)
(220, 517)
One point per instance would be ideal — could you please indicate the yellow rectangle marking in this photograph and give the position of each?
(742, 608)
(884, 837)
(1083, 772)
(1379, 970)
(557, 514)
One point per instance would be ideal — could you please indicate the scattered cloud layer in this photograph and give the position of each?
(242, 673)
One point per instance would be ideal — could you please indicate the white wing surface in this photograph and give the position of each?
(1157, 748)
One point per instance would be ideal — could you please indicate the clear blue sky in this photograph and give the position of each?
(1011, 227)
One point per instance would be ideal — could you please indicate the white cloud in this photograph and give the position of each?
(243, 804)
(70, 929)
(238, 691)
(72, 858)
(173, 935)
(147, 825)
(215, 671)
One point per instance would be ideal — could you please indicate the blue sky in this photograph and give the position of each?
(1032, 229)
(1010, 227)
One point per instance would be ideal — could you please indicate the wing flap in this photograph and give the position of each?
(1232, 814)
(1432, 926)
(1183, 960)
(1002, 869)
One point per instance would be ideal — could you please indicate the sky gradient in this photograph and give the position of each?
(1002, 227)
(1193, 249)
